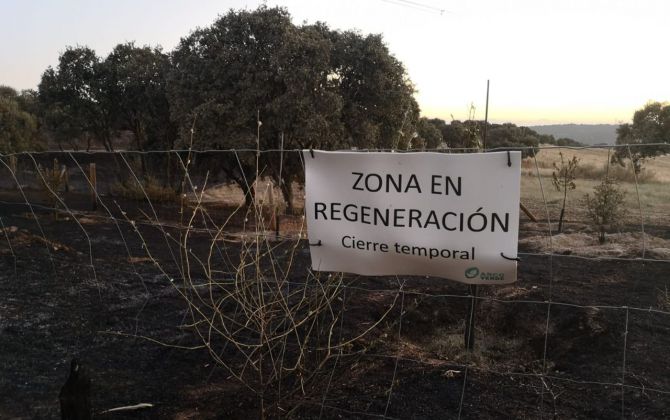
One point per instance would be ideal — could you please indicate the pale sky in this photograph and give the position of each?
(549, 61)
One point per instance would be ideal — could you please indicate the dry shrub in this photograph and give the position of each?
(529, 163)
(616, 172)
(150, 188)
(269, 321)
(52, 181)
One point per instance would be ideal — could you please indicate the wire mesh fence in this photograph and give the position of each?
(176, 267)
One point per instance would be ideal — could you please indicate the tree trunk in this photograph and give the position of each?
(239, 179)
(560, 220)
(140, 141)
(565, 198)
(248, 190)
(287, 193)
(168, 172)
(107, 142)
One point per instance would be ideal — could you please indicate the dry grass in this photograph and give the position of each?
(652, 188)
(654, 199)
(151, 188)
(594, 162)
(266, 195)
(488, 352)
(585, 243)
(664, 299)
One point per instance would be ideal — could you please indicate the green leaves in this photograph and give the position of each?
(563, 176)
(428, 136)
(135, 85)
(651, 124)
(606, 207)
(19, 128)
(73, 98)
(86, 99)
(316, 87)
(311, 87)
(563, 179)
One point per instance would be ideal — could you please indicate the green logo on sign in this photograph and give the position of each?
(471, 272)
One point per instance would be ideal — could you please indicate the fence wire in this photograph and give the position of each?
(193, 228)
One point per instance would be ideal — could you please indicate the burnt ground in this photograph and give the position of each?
(78, 291)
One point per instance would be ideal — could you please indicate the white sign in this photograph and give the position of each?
(446, 215)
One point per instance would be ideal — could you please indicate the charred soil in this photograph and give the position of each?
(573, 338)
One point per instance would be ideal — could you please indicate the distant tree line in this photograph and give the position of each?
(308, 85)
(470, 134)
(252, 79)
(314, 86)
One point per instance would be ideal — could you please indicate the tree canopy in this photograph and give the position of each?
(19, 127)
(88, 99)
(469, 135)
(73, 100)
(509, 136)
(253, 79)
(428, 135)
(318, 87)
(651, 126)
(135, 88)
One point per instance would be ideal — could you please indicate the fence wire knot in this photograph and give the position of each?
(510, 258)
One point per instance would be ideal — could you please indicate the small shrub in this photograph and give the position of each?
(606, 208)
(563, 179)
(52, 181)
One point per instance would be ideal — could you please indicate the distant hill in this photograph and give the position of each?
(589, 134)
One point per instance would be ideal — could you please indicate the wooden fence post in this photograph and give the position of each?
(92, 177)
(469, 336)
(65, 177)
(13, 166)
(528, 213)
(13, 163)
(275, 214)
